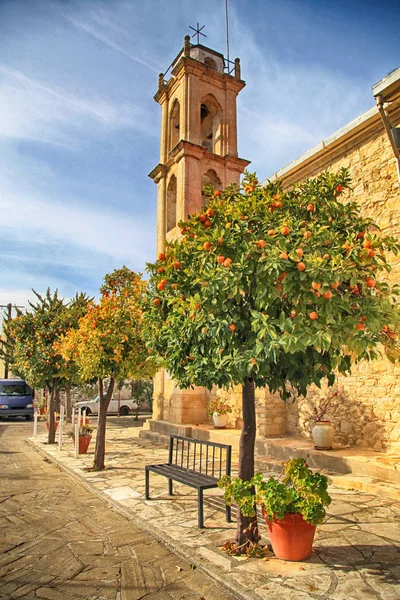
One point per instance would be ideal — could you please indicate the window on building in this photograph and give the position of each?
(211, 125)
(210, 178)
(174, 125)
(210, 63)
(171, 203)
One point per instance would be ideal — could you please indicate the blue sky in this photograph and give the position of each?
(79, 129)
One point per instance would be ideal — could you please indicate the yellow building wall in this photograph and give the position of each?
(368, 413)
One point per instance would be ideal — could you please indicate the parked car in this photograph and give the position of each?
(92, 406)
(16, 399)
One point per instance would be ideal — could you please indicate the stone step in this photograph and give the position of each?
(356, 461)
(351, 481)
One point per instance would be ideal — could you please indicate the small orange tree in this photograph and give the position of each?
(109, 343)
(272, 288)
(31, 341)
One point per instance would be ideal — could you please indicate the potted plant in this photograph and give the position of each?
(323, 431)
(219, 410)
(85, 435)
(292, 504)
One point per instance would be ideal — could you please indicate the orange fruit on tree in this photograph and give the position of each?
(313, 315)
(161, 286)
(360, 326)
(327, 295)
(207, 223)
(160, 270)
(197, 306)
(285, 230)
(315, 285)
(371, 252)
(217, 193)
(283, 255)
(293, 314)
(278, 204)
(310, 207)
(360, 235)
(303, 223)
(207, 246)
(335, 285)
(301, 266)
(156, 301)
(202, 218)
(367, 244)
(261, 244)
(300, 251)
(220, 241)
(161, 256)
(227, 262)
(204, 330)
(271, 232)
(220, 259)
(307, 234)
(177, 264)
(370, 281)
(232, 327)
(210, 212)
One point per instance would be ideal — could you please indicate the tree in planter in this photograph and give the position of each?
(272, 288)
(109, 343)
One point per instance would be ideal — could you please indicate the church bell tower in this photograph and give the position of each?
(198, 147)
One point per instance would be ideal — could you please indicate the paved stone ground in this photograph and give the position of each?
(59, 541)
(356, 553)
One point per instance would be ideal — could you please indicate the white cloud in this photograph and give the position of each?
(114, 234)
(32, 110)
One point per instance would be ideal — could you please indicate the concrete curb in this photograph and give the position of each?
(239, 592)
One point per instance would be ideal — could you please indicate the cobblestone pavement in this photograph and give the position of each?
(356, 553)
(59, 541)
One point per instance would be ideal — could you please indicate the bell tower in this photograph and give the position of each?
(198, 134)
(198, 147)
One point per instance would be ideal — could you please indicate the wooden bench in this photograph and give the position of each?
(195, 463)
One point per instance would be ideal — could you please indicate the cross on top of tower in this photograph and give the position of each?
(198, 32)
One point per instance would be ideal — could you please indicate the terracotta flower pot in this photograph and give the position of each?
(291, 537)
(220, 421)
(55, 425)
(83, 443)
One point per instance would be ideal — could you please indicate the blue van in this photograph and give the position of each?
(16, 399)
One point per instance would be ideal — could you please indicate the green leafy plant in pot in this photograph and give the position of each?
(292, 505)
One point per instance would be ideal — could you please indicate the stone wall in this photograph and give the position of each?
(369, 411)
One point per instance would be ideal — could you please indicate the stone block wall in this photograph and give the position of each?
(369, 411)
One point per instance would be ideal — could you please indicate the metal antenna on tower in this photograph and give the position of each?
(227, 32)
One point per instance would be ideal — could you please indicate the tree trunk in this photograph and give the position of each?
(57, 401)
(51, 416)
(247, 530)
(104, 402)
(68, 404)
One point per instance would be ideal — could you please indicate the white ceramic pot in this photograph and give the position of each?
(220, 421)
(322, 435)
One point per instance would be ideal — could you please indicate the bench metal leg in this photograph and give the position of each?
(170, 487)
(228, 513)
(147, 480)
(200, 518)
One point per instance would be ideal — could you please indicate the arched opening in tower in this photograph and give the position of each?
(174, 125)
(171, 203)
(211, 125)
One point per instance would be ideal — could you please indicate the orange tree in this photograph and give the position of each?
(272, 288)
(31, 342)
(109, 343)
